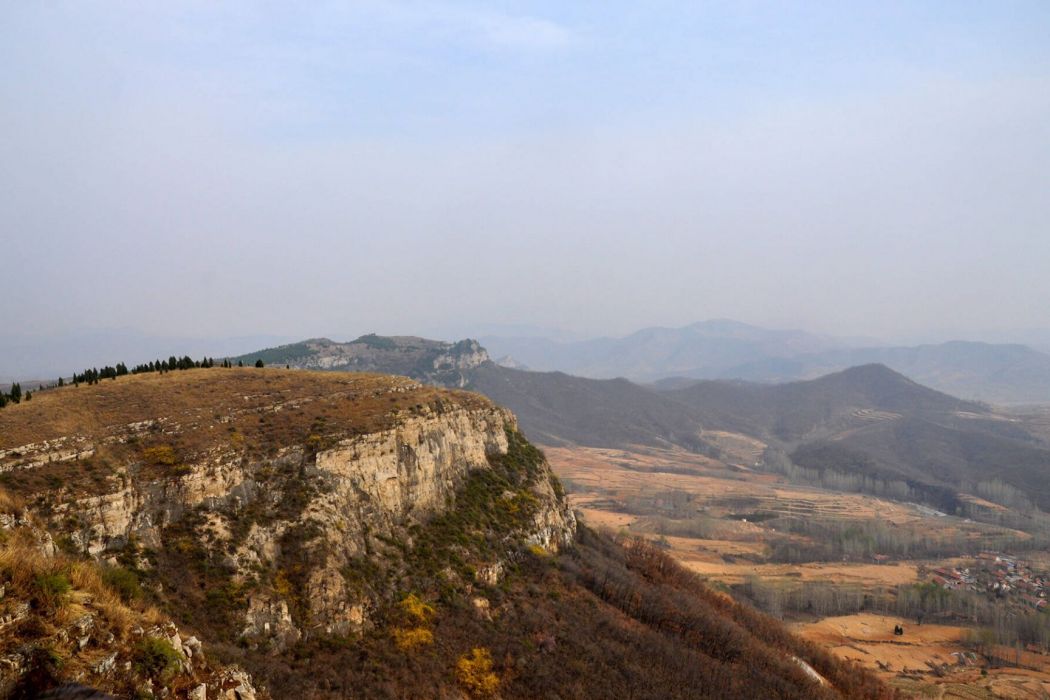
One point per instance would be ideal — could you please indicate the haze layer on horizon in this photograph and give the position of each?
(227, 170)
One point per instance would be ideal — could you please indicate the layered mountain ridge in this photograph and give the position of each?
(867, 421)
(349, 534)
(722, 349)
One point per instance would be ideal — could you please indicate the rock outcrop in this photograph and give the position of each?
(432, 361)
(60, 621)
(285, 527)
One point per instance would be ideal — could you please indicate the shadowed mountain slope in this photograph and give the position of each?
(556, 408)
(791, 411)
(874, 422)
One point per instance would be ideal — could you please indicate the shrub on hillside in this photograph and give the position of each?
(50, 589)
(474, 672)
(156, 658)
(124, 582)
(410, 639)
(160, 454)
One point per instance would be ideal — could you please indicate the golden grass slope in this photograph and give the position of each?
(201, 399)
(83, 440)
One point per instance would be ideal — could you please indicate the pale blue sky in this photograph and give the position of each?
(223, 169)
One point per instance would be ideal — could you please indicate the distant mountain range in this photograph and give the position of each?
(866, 422)
(699, 350)
(722, 349)
(1008, 374)
(999, 373)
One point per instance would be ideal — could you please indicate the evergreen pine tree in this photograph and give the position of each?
(259, 363)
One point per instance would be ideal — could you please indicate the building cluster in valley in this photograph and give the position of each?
(999, 575)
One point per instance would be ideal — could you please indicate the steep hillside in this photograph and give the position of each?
(63, 618)
(360, 535)
(943, 452)
(556, 408)
(872, 422)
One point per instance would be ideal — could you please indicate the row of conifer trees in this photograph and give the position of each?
(14, 395)
(94, 375)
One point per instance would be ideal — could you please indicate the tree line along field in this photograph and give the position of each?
(842, 568)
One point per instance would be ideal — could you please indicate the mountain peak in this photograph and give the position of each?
(433, 361)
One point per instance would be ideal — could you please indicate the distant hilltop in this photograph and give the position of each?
(433, 361)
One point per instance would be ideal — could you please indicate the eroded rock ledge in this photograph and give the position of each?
(309, 533)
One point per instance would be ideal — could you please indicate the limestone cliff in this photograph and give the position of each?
(339, 535)
(269, 506)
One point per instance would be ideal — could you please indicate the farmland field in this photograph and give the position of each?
(756, 535)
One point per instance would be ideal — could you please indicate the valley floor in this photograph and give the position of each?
(720, 519)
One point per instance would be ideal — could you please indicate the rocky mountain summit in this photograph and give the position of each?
(432, 361)
(277, 489)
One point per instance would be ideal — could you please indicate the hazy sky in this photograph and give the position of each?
(302, 169)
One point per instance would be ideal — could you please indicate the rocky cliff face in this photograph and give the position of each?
(267, 507)
(338, 535)
(432, 361)
(67, 621)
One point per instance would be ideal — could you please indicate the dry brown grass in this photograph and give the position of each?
(202, 398)
(868, 639)
(10, 503)
(196, 413)
(23, 564)
(86, 577)
(54, 623)
(153, 616)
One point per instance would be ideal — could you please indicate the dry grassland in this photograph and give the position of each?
(161, 422)
(203, 399)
